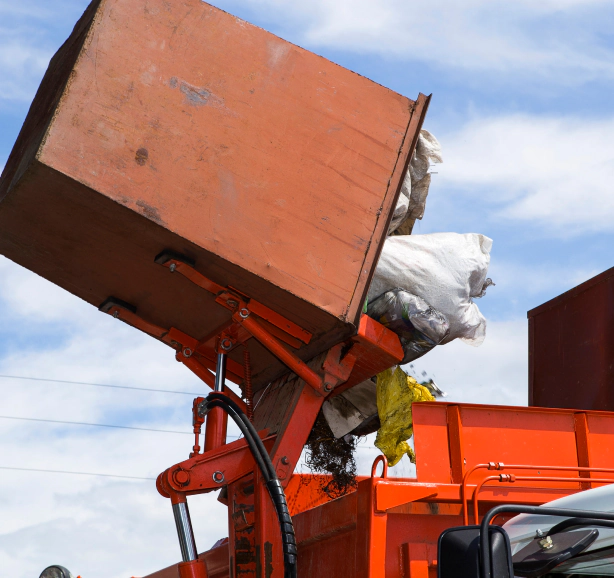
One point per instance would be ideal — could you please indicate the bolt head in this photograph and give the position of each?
(546, 543)
(172, 267)
(328, 386)
(285, 461)
(232, 303)
(116, 314)
(244, 313)
(181, 477)
(218, 477)
(187, 352)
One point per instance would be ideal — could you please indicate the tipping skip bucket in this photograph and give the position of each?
(176, 126)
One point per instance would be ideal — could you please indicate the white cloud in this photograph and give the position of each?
(542, 281)
(22, 65)
(549, 39)
(494, 373)
(97, 527)
(110, 529)
(557, 172)
(473, 35)
(30, 33)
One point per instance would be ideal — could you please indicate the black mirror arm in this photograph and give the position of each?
(539, 510)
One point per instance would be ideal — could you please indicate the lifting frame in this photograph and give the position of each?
(387, 527)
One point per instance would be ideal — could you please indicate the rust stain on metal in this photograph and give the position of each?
(150, 212)
(141, 156)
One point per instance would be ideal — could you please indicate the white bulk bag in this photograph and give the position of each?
(447, 270)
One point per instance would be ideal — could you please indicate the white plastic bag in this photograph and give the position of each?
(400, 213)
(412, 200)
(447, 270)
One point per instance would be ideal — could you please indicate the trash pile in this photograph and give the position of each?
(423, 289)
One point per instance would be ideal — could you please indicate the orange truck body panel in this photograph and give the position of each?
(388, 527)
(175, 125)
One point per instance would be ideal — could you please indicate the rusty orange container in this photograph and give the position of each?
(174, 125)
(571, 347)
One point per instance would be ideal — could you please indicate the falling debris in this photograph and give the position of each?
(327, 454)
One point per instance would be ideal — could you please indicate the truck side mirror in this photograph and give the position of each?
(458, 553)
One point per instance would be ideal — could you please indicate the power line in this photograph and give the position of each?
(99, 384)
(95, 424)
(74, 473)
(104, 425)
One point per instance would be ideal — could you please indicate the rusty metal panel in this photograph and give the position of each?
(175, 125)
(571, 348)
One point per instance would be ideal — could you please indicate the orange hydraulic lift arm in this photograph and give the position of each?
(224, 464)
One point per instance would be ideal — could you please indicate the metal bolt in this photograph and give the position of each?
(218, 477)
(226, 344)
(244, 313)
(546, 543)
(181, 477)
(116, 314)
(172, 267)
(328, 386)
(232, 303)
(285, 461)
(187, 352)
(539, 533)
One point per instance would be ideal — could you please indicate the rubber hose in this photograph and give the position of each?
(262, 465)
(273, 484)
(252, 429)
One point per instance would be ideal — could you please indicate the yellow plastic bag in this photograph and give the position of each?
(396, 391)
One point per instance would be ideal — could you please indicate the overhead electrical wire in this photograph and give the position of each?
(95, 424)
(99, 385)
(101, 425)
(74, 473)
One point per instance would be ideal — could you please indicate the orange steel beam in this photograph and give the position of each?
(200, 474)
(196, 361)
(230, 297)
(376, 348)
(297, 365)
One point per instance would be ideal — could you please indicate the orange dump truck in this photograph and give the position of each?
(228, 193)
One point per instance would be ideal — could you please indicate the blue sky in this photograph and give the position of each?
(522, 107)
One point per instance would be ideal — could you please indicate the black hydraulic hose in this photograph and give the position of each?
(250, 426)
(246, 433)
(272, 482)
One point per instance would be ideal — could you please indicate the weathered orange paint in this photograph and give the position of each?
(175, 125)
(389, 527)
